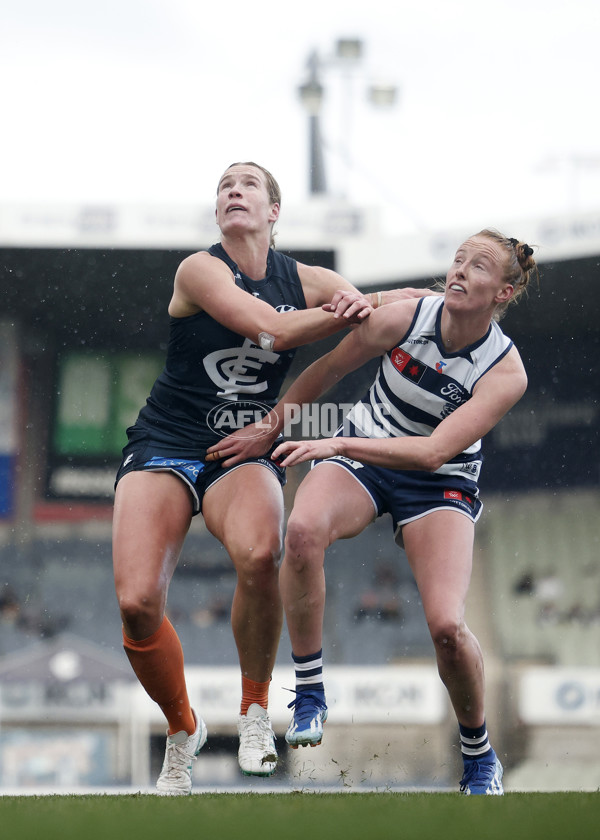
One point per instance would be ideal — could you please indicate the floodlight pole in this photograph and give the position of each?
(348, 55)
(311, 94)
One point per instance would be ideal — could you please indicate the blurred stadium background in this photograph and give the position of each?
(83, 331)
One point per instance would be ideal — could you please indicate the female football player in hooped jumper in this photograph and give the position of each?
(410, 447)
(236, 313)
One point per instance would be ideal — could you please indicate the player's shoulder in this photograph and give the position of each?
(508, 375)
(513, 361)
(320, 284)
(397, 311)
(201, 263)
(313, 273)
(198, 258)
(388, 324)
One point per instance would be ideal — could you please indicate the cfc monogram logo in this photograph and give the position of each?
(239, 370)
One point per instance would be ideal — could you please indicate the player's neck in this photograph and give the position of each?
(249, 254)
(458, 333)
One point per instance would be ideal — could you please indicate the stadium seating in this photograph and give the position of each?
(66, 584)
(540, 551)
(543, 556)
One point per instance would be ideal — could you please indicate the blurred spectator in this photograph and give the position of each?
(10, 607)
(382, 601)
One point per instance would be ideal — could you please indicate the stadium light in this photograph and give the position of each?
(349, 49)
(382, 95)
(347, 56)
(311, 95)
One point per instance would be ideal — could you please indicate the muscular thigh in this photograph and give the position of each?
(152, 515)
(439, 548)
(331, 501)
(244, 510)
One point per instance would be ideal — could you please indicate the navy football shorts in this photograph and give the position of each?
(147, 456)
(411, 494)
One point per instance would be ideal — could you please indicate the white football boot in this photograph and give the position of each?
(257, 755)
(182, 749)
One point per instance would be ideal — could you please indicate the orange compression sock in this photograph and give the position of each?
(254, 692)
(158, 665)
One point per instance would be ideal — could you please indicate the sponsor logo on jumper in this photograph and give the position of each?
(452, 391)
(406, 365)
(439, 366)
(472, 467)
(447, 409)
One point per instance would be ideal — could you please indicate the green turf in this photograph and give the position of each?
(305, 816)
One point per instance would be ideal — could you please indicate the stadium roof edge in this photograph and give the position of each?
(364, 254)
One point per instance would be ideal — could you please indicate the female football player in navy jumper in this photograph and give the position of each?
(410, 447)
(237, 312)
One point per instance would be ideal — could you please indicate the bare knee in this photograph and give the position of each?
(141, 612)
(256, 560)
(305, 542)
(449, 638)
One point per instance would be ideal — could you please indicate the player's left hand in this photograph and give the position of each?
(292, 452)
(252, 441)
(350, 305)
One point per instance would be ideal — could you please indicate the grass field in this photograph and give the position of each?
(310, 816)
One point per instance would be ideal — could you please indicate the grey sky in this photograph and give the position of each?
(149, 100)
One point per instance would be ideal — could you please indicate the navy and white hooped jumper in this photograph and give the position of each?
(417, 385)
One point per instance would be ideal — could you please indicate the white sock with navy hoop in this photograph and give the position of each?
(474, 743)
(309, 673)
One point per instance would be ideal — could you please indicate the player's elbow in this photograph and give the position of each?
(275, 335)
(288, 337)
(524, 384)
(273, 339)
(431, 457)
(432, 464)
(286, 342)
